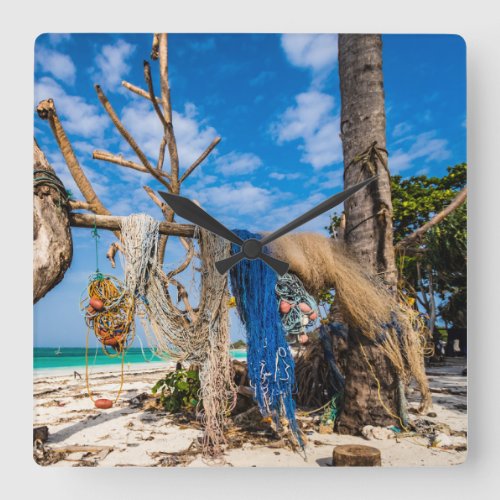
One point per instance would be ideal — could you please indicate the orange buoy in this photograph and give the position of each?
(285, 307)
(112, 341)
(96, 303)
(313, 316)
(304, 307)
(103, 404)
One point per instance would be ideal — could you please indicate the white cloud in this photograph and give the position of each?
(235, 163)
(112, 64)
(332, 179)
(57, 64)
(56, 39)
(424, 147)
(193, 135)
(77, 115)
(312, 120)
(317, 52)
(241, 198)
(288, 176)
(401, 129)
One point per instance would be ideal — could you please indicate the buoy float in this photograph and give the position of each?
(103, 404)
(96, 303)
(112, 341)
(305, 308)
(285, 307)
(313, 316)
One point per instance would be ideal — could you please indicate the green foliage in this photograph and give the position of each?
(446, 254)
(239, 344)
(416, 199)
(179, 390)
(443, 251)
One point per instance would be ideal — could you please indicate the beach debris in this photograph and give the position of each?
(356, 455)
(371, 432)
(41, 434)
(138, 401)
(103, 403)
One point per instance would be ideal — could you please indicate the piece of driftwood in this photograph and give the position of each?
(41, 433)
(52, 243)
(356, 455)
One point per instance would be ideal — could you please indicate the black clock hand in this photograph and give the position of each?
(252, 249)
(190, 211)
(278, 265)
(326, 205)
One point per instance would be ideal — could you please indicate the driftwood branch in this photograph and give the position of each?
(80, 205)
(119, 160)
(137, 90)
(166, 210)
(167, 111)
(113, 223)
(202, 157)
(47, 111)
(131, 141)
(416, 236)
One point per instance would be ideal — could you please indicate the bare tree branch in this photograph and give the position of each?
(113, 223)
(119, 160)
(156, 47)
(202, 157)
(186, 262)
(167, 111)
(80, 205)
(123, 131)
(417, 235)
(47, 111)
(149, 82)
(137, 90)
(166, 210)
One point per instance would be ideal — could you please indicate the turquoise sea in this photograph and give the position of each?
(69, 357)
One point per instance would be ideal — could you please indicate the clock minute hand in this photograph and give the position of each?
(190, 211)
(318, 210)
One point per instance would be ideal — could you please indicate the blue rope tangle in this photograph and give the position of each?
(271, 367)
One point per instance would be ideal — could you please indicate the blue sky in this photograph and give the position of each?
(274, 100)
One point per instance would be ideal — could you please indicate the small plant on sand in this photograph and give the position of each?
(179, 390)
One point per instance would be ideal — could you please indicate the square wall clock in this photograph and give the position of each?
(250, 250)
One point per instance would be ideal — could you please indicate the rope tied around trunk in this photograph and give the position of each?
(43, 177)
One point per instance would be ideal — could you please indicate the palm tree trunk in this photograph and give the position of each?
(371, 381)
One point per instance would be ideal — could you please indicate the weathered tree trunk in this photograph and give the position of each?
(368, 229)
(52, 244)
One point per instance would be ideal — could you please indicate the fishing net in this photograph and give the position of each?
(323, 264)
(202, 337)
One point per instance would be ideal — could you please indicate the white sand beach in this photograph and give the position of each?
(136, 432)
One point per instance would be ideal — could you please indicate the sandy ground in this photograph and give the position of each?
(130, 435)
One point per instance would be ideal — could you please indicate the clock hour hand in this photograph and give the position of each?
(326, 205)
(190, 211)
(225, 264)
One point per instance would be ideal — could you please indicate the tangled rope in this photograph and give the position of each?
(44, 177)
(270, 361)
(202, 339)
(298, 309)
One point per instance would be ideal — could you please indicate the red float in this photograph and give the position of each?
(304, 307)
(103, 404)
(96, 303)
(285, 307)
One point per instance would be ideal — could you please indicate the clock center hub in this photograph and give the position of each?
(251, 248)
